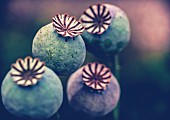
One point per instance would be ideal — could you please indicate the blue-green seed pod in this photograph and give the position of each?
(60, 45)
(107, 29)
(31, 90)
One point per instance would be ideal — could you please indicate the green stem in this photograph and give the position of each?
(116, 112)
(117, 74)
(115, 68)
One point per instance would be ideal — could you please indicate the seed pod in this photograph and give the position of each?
(107, 28)
(93, 90)
(60, 45)
(31, 90)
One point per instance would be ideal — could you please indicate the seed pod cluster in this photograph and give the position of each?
(32, 88)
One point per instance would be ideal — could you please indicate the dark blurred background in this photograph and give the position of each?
(145, 62)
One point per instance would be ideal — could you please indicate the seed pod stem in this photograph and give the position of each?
(116, 69)
(117, 74)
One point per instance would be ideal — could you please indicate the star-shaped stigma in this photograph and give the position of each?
(67, 25)
(96, 76)
(27, 72)
(96, 19)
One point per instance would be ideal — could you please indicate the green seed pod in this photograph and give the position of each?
(107, 28)
(31, 90)
(93, 90)
(60, 45)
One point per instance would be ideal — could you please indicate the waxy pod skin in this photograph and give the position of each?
(60, 46)
(107, 29)
(31, 90)
(93, 90)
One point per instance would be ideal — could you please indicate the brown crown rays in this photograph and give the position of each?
(96, 19)
(96, 76)
(67, 26)
(27, 72)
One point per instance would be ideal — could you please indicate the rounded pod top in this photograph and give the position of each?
(67, 26)
(60, 44)
(107, 28)
(27, 72)
(96, 76)
(96, 19)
